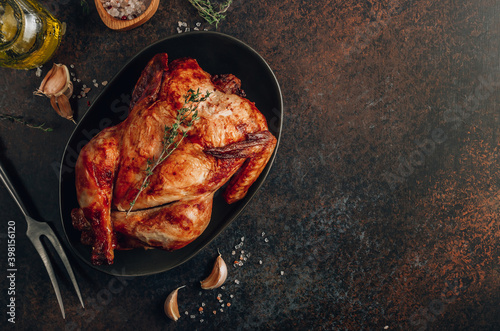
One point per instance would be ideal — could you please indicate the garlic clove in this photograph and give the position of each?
(62, 107)
(218, 275)
(171, 308)
(65, 107)
(56, 82)
(58, 88)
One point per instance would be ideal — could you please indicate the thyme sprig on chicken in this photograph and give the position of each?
(170, 141)
(209, 12)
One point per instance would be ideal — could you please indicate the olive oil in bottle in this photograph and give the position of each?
(29, 34)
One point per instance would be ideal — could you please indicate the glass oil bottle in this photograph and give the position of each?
(29, 34)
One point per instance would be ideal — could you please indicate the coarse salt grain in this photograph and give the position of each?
(125, 9)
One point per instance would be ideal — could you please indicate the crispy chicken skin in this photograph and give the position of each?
(229, 143)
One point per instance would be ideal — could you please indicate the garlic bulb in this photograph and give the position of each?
(170, 306)
(58, 88)
(218, 275)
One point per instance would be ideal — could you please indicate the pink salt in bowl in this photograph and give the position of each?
(123, 23)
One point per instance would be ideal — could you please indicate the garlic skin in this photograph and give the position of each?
(218, 275)
(171, 308)
(57, 86)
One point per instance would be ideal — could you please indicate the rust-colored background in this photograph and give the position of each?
(381, 209)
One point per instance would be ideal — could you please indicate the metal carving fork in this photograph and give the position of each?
(35, 231)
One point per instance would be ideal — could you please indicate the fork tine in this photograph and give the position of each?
(43, 254)
(57, 245)
(34, 231)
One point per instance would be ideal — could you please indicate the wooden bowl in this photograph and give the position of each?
(123, 25)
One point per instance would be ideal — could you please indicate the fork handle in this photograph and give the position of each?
(6, 181)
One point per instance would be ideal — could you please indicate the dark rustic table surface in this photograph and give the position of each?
(381, 209)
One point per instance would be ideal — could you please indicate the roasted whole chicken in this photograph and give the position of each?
(229, 142)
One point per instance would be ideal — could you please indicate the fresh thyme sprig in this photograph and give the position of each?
(5, 117)
(170, 134)
(209, 12)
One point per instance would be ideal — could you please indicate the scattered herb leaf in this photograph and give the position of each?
(208, 11)
(18, 119)
(85, 7)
